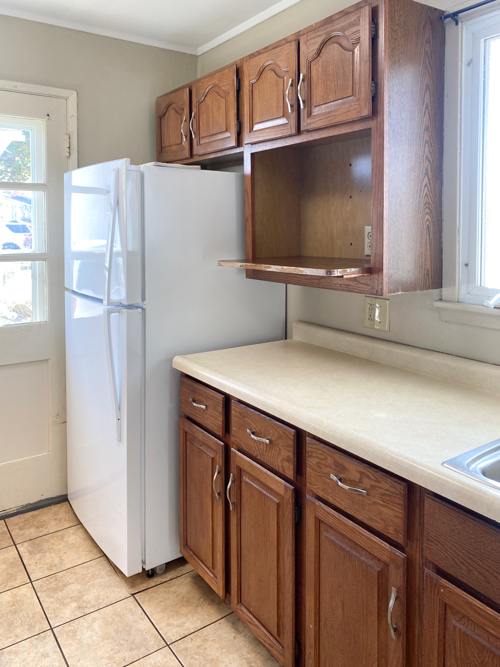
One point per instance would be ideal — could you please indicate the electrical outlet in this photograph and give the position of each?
(376, 313)
(368, 240)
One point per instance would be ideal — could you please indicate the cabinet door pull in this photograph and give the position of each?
(392, 626)
(229, 484)
(301, 101)
(191, 124)
(217, 472)
(286, 96)
(361, 492)
(197, 405)
(182, 130)
(256, 437)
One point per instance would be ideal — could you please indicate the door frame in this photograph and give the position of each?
(71, 110)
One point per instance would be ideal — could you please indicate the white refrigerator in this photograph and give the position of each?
(143, 285)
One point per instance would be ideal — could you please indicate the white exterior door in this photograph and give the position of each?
(33, 159)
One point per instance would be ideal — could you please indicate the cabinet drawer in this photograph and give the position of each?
(264, 438)
(373, 497)
(203, 405)
(463, 546)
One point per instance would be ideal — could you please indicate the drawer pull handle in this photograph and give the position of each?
(229, 484)
(362, 492)
(217, 472)
(182, 130)
(191, 125)
(287, 97)
(197, 405)
(256, 437)
(301, 100)
(392, 626)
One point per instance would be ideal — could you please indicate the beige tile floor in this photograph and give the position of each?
(62, 603)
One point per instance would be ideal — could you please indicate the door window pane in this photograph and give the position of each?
(21, 150)
(490, 214)
(22, 292)
(22, 221)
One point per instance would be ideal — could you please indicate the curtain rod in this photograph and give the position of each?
(453, 15)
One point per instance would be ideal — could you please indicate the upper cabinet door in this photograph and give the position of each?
(336, 70)
(172, 133)
(213, 120)
(270, 93)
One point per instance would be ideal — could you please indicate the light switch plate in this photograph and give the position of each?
(376, 313)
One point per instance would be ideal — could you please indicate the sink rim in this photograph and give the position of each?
(472, 462)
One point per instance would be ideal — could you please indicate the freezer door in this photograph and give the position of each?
(104, 406)
(103, 232)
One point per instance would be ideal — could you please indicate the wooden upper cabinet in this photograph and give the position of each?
(336, 70)
(354, 594)
(202, 524)
(459, 631)
(269, 84)
(213, 120)
(263, 555)
(172, 118)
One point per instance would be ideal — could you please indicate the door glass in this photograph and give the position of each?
(23, 285)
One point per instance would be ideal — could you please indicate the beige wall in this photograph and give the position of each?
(414, 320)
(117, 83)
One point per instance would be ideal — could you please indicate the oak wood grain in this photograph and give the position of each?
(383, 507)
(212, 416)
(312, 266)
(172, 133)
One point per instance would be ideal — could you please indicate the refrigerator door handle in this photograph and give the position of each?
(108, 312)
(111, 240)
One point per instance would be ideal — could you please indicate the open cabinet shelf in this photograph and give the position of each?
(303, 265)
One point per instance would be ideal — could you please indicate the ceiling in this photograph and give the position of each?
(191, 26)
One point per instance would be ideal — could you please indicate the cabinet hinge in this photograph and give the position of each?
(374, 30)
(238, 126)
(297, 514)
(238, 84)
(68, 145)
(298, 648)
(374, 88)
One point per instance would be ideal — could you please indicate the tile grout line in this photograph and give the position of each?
(160, 583)
(163, 648)
(53, 532)
(200, 629)
(51, 629)
(67, 569)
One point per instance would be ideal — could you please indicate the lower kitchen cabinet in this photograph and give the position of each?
(355, 594)
(202, 525)
(263, 555)
(459, 631)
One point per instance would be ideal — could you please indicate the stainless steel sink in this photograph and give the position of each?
(481, 463)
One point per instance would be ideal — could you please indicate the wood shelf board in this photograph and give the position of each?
(312, 266)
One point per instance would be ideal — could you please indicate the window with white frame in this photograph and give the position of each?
(23, 259)
(479, 274)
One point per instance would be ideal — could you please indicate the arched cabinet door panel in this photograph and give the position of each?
(172, 126)
(269, 84)
(336, 70)
(213, 122)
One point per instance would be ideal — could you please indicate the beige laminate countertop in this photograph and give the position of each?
(404, 409)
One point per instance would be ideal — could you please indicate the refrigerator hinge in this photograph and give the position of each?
(374, 30)
(68, 145)
(374, 88)
(297, 514)
(298, 648)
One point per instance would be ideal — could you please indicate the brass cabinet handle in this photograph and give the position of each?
(301, 101)
(230, 483)
(256, 437)
(286, 96)
(197, 405)
(361, 492)
(191, 124)
(392, 627)
(217, 472)
(182, 130)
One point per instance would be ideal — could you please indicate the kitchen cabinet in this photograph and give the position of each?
(172, 118)
(355, 594)
(269, 89)
(336, 70)
(459, 631)
(213, 122)
(202, 522)
(263, 554)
